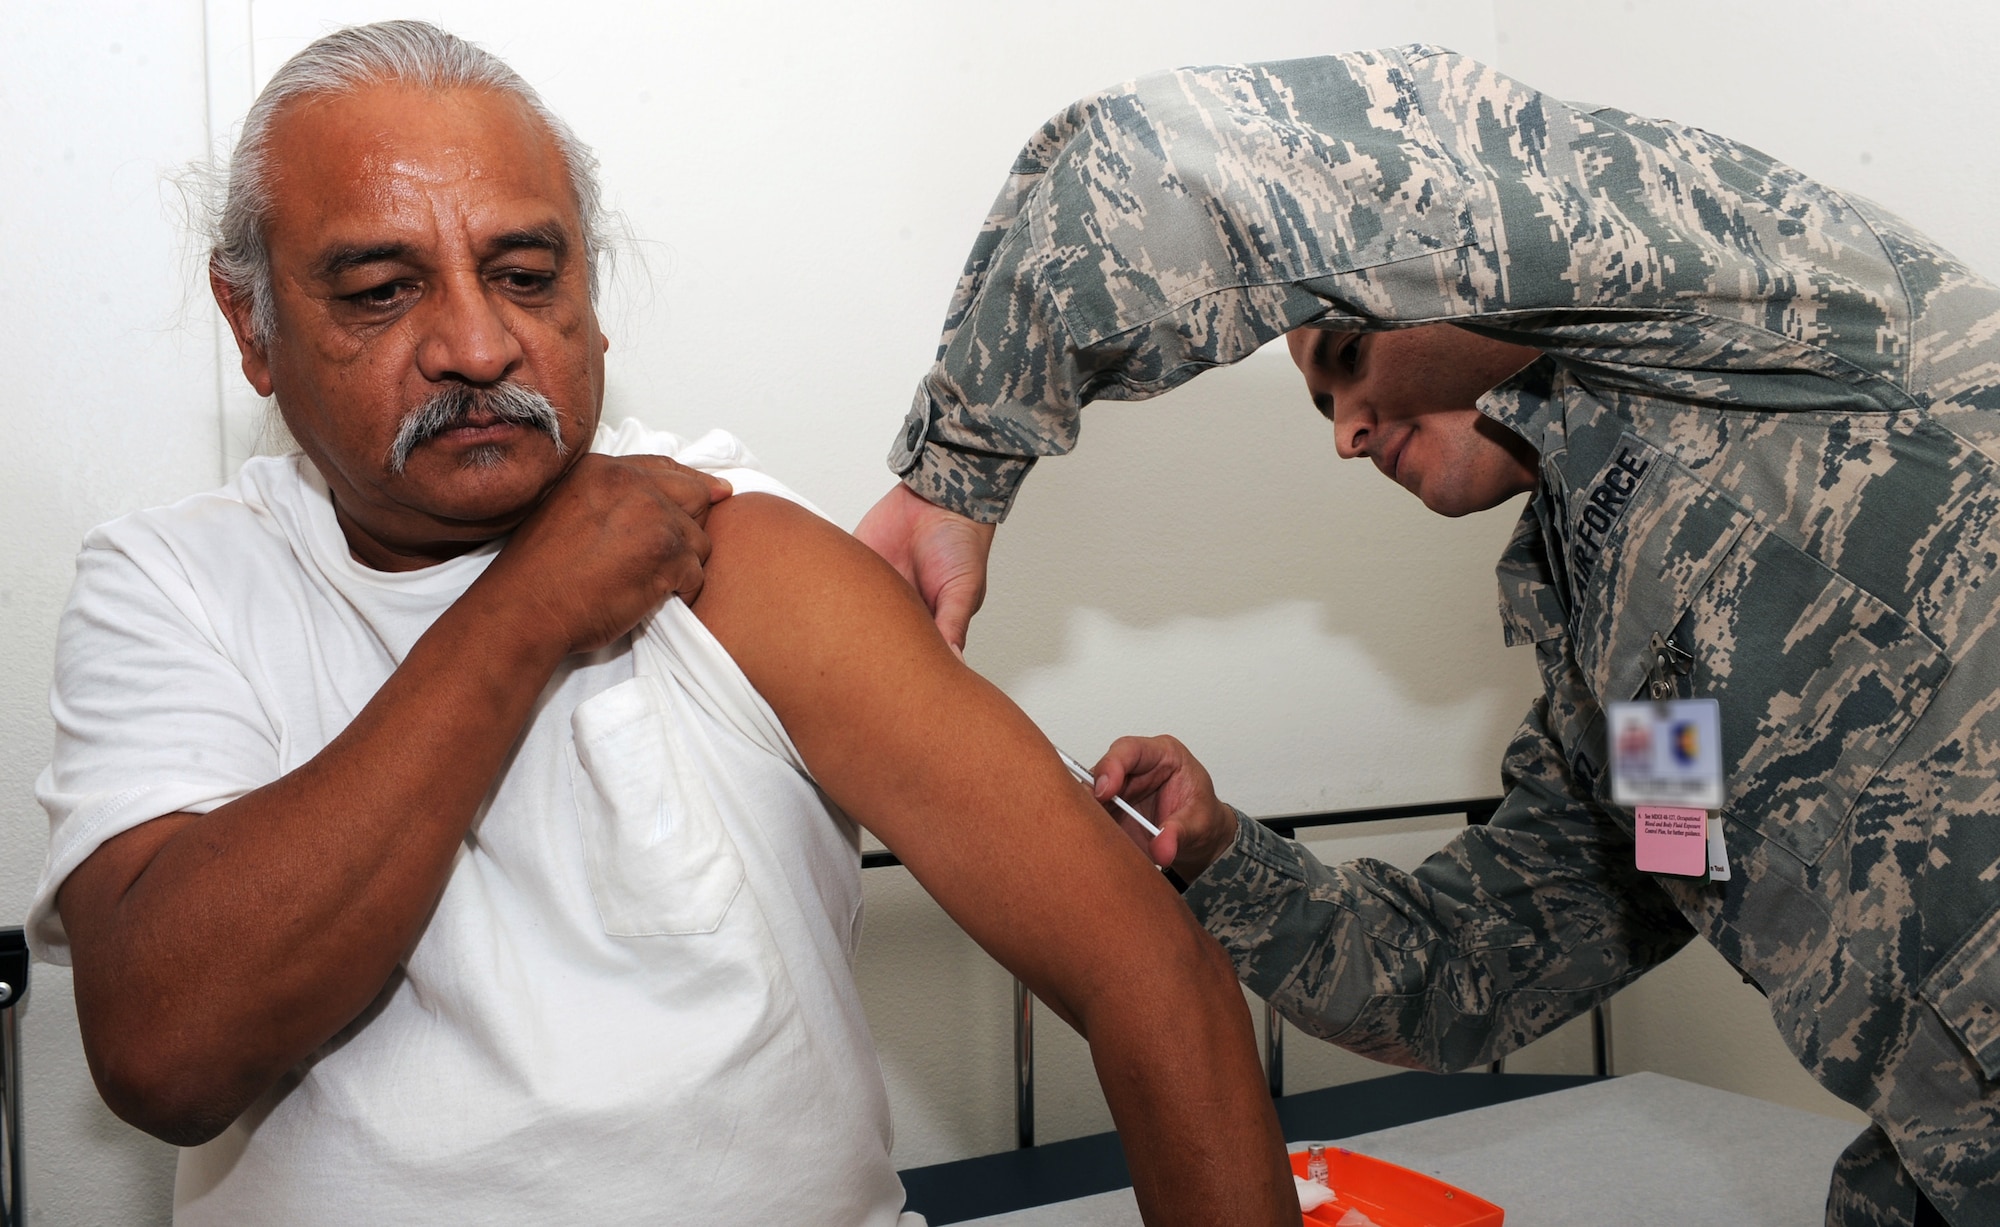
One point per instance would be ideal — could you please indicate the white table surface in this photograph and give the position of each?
(1637, 1151)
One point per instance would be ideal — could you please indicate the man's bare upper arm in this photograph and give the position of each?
(848, 657)
(917, 747)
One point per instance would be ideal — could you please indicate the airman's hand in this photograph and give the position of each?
(608, 545)
(1161, 780)
(941, 553)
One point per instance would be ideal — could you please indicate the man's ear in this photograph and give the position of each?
(236, 309)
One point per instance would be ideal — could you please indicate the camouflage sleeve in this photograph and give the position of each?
(1153, 231)
(1179, 222)
(1506, 933)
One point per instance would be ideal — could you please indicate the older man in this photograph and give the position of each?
(415, 870)
(1760, 420)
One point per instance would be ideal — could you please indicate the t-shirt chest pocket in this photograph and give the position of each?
(1817, 680)
(659, 857)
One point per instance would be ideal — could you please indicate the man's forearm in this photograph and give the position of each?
(1175, 1055)
(216, 951)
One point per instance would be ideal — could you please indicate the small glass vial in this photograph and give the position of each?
(1316, 1165)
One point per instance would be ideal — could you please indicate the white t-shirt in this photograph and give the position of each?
(635, 1001)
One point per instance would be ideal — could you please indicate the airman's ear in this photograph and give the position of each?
(236, 309)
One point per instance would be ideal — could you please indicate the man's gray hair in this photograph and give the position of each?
(413, 53)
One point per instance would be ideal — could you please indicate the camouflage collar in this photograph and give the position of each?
(1526, 404)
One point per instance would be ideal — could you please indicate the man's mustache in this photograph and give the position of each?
(450, 405)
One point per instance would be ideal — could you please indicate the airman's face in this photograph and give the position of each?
(424, 243)
(1407, 399)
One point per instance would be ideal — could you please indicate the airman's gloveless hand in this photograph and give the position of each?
(1159, 778)
(941, 553)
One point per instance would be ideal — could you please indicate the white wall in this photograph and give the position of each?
(806, 178)
(109, 404)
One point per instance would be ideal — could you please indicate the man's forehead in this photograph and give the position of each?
(354, 168)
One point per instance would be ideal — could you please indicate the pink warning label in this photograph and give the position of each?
(1671, 840)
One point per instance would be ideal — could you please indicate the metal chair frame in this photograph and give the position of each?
(13, 1161)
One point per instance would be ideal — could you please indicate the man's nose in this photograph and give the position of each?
(465, 336)
(1352, 427)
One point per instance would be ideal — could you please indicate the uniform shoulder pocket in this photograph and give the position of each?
(1818, 680)
(1965, 991)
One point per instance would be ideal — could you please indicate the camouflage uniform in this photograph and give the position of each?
(1767, 419)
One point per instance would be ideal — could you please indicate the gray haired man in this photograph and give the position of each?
(437, 841)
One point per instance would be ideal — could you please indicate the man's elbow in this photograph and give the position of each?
(162, 1092)
(1181, 963)
(1212, 967)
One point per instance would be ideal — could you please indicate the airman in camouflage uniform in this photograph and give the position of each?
(1767, 418)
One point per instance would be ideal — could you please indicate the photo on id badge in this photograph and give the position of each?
(1666, 764)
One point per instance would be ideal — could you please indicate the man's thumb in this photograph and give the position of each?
(956, 602)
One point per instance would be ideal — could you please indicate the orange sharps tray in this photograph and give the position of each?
(1393, 1196)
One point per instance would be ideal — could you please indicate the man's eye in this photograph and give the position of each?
(383, 295)
(524, 281)
(1348, 356)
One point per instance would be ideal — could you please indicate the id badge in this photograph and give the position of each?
(1666, 753)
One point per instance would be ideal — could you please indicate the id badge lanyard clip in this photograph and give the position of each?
(1669, 662)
